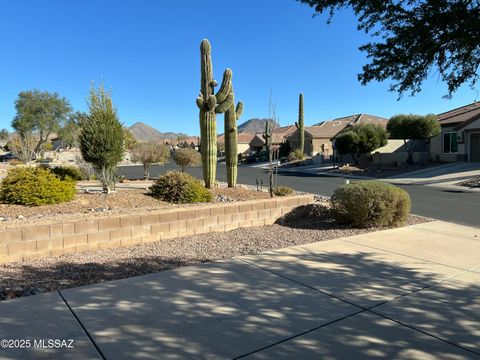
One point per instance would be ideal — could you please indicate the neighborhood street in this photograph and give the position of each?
(438, 203)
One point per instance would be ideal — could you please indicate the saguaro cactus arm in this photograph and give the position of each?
(239, 109)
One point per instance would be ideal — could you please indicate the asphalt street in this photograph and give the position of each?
(442, 204)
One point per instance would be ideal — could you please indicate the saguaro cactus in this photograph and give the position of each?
(211, 104)
(231, 154)
(300, 126)
(267, 136)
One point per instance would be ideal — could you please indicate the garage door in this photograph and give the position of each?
(475, 147)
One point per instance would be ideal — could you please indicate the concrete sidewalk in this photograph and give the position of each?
(408, 293)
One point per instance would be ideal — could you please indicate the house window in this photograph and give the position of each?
(450, 143)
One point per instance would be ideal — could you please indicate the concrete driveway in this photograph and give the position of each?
(408, 293)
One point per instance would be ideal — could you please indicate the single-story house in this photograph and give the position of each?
(460, 136)
(243, 141)
(279, 136)
(257, 143)
(318, 138)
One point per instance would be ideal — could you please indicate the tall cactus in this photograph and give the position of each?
(267, 136)
(300, 126)
(211, 104)
(231, 153)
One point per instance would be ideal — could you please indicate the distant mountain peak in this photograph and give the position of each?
(253, 126)
(145, 132)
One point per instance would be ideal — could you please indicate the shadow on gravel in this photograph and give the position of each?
(65, 274)
(312, 217)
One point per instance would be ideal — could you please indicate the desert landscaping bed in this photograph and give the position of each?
(474, 182)
(95, 204)
(379, 171)
(90, 267)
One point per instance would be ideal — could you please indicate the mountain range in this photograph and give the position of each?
(253, 126)
(144, 132)
(147, 133)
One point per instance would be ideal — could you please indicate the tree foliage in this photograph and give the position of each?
(148, 154)
(4, 134)
(70, 129)
(413, 39)
(360, 139)
(39, 114)
(413, 128)
(102, 138)
(187, 157)
(130, 140)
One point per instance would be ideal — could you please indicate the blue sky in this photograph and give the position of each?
(147, 53)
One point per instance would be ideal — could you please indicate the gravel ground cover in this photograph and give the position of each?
(471, 183)
(71, 270)
(88, 205)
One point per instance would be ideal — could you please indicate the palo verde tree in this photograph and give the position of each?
(186, 157)
(413, 128)
(361, 139)
(412, 39)
(39, 114)
(70, 129)
(149, 154)
(102, 137)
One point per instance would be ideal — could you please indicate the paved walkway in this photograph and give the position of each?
(409, 293)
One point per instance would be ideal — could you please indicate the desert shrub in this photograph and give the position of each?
(35, 186)
(181, 188)
(148, 154)
(64, 172)
(186, 157)
(370, 203)
(282, 190)
(295, 155)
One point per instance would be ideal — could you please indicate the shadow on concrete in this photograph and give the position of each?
(229, 309)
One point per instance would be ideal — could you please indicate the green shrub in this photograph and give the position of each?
(296, 155)
(282, 190)
(181, 188)
(35, 186)
(64, 172)
(370, 203)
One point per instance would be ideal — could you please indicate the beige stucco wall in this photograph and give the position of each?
(241, 148)
(313, 146)
(436, 146)
(322, 146)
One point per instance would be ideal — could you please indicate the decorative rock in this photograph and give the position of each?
(8, 293)
(20, 217)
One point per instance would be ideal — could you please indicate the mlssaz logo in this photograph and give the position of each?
(54, 343)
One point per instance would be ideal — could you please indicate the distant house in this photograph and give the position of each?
(318, 138)
(243, 141)
(257, 143)
(279, 136)
(460, 136)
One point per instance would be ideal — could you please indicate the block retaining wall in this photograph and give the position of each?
(28, 242)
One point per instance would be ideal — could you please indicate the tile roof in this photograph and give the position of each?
(242, 138)
(459, 115)
(329, 129)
